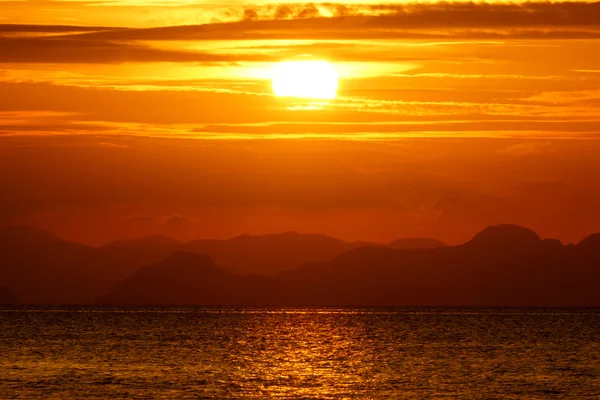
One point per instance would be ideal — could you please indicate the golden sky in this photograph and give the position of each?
(122, 118)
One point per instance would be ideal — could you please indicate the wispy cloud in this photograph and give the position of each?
(28, 28)
(80, 50)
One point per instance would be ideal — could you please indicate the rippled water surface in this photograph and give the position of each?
(335, 353)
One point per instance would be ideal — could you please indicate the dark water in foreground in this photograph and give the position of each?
(173, 353)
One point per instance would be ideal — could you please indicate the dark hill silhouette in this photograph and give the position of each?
(504, 236)
(187, 278)
(43, 268)
(7, 297)
(274, 253)
(591, 242)
(26, 235)
(504, 265)
(269, 254)
(40, 267)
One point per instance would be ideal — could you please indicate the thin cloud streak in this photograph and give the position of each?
(105, 131)
(26, 28)
(76, 50)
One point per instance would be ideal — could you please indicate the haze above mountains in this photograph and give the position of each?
(503, 265)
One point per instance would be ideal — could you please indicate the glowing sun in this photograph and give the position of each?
(305, 79)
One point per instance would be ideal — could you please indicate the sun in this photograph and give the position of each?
(308, 79)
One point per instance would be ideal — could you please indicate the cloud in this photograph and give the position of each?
(412, 20)
(178, 220)
(527, 148)
(76, 44)
(310, 11)
(250, 15)
(173, 221)
(74, 49)
(144, 220)
(86, 111)
(567, 97)
(283, 12)
(404, 17)
(113, 145)
(24, 28)
(68, 127)
(439, 128)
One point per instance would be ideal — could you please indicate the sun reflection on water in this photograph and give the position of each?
(299, 355)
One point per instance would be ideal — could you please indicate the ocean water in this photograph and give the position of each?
(299, 353)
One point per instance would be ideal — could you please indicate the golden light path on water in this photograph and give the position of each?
(298, 353)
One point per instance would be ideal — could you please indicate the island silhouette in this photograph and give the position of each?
(503, 265)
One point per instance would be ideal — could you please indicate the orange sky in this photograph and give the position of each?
(128, 117)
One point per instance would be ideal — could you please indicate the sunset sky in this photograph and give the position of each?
(122, 118)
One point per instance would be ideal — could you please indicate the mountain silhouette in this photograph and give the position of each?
(40, 267)
(590, 243)
(503, 265)
(26, 236)
(186, 278)
(504, 236)
(270, 254)
(43, 268)
(274, 253)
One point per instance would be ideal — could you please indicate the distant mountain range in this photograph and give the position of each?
(268, 254)
(42, 268)
(191, 279)
(504, 265)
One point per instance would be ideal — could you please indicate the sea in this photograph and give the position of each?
(299, 353)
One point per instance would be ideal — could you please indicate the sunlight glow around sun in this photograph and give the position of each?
(309, 79)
